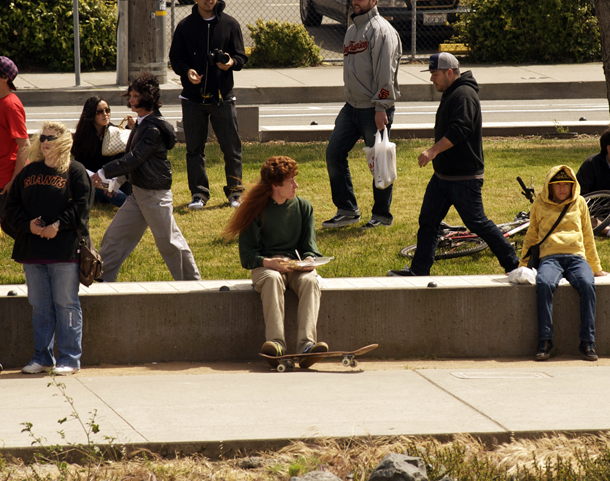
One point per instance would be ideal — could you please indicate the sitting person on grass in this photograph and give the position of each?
(273, 225)
(569, 251)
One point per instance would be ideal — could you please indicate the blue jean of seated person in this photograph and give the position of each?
(578, 273)
(53, 295)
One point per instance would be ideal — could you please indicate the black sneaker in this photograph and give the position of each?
(372, 224)
(404, 272)
(587, 349)
(544, 350)
(341, 220)
(306, 362)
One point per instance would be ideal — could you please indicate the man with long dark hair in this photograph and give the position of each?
(274, 224)
(150, 205)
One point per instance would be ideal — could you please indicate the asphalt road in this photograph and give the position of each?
(406, 112)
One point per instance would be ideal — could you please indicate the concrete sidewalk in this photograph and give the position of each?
(325, 84)
(252, 407)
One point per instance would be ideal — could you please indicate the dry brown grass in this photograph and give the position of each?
(526, 458)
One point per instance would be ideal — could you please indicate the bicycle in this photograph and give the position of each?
(599, 208)
(458, 241)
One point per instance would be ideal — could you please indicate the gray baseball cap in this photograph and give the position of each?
(442, 61)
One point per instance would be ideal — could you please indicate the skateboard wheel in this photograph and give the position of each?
(346, 362)
(281, 368)
(354, 363)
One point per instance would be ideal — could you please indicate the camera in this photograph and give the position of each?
(218, 56)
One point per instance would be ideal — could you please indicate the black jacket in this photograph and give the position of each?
(194, 38)
(594, 174)
(145, 161)
(459, 119)
(39, 190)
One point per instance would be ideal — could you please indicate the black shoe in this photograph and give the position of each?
(544, 350)
(587, 349)
(274, 349)
(371, 224)
(306, 362)
(404, 272)
(341, 220)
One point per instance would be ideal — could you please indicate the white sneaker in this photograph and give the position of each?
(235, 202)
(35, 368)
(197, 203)
(64, 370)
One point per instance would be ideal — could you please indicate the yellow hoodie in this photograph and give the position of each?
(573, 235)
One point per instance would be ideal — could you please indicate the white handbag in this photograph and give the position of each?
(115, 139)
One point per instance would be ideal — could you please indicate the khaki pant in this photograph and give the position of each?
(272, 285)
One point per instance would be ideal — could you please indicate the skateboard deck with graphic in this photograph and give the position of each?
(288, 361)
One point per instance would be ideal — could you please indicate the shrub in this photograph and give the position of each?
(541, 31)
(282, 45)
(40, 34)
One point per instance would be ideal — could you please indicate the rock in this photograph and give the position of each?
(400, 467)
(316, 476)
(253, 462)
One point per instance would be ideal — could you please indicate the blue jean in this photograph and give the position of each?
(465, 196)
(350, 125)
(223, 117)
(578, 273)
(53, 295)
(103, 196)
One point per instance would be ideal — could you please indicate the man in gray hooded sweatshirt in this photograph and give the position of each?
(371, 51)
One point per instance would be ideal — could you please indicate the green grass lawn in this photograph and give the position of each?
(357, 253)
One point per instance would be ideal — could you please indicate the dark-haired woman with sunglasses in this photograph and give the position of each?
(49, 200)
(87, 147)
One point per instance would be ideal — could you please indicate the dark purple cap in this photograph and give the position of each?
(8, 68)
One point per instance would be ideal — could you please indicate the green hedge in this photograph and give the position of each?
(541, 31)
(282, 44)
(39, 34)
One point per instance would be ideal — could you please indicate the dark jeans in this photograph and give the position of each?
(350, 125)
(578, 273)
(465, 196)
(223, 117)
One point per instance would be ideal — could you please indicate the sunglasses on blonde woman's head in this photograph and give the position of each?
(50, 138)
(103, 111)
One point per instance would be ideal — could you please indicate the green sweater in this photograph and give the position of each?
(282, 229)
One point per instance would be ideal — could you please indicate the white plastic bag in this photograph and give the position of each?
(382, 160)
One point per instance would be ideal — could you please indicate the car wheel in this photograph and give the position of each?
(309, 16)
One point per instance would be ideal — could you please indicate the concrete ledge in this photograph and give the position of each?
(321, 133)
(465, 316)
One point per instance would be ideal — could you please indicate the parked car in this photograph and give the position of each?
(430, 13)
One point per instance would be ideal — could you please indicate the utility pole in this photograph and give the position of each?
(76, 42)
(122, 45)
(147, 38)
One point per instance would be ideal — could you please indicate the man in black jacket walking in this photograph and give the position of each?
(150, 203)
(457, 157)
(207, 47)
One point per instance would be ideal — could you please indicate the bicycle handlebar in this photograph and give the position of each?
(527, 192)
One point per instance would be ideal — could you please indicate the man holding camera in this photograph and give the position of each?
(207, 47)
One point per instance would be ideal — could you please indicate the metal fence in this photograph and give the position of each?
(422, 24)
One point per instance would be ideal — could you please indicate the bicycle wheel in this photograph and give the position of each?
(599, 208)
(450, 249)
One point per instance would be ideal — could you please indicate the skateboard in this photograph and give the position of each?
(288, 361)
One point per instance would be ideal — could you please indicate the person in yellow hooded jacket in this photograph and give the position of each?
(569, 251)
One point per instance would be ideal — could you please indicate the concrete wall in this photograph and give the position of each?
(469, 317)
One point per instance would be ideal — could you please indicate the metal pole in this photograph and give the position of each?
(76, 42)
(413, 28)
(173, 17)
(161, 51)
(122, 39)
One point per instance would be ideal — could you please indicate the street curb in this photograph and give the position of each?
(217, 450)
(322, 94)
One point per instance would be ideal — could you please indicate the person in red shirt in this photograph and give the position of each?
(14, 140)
